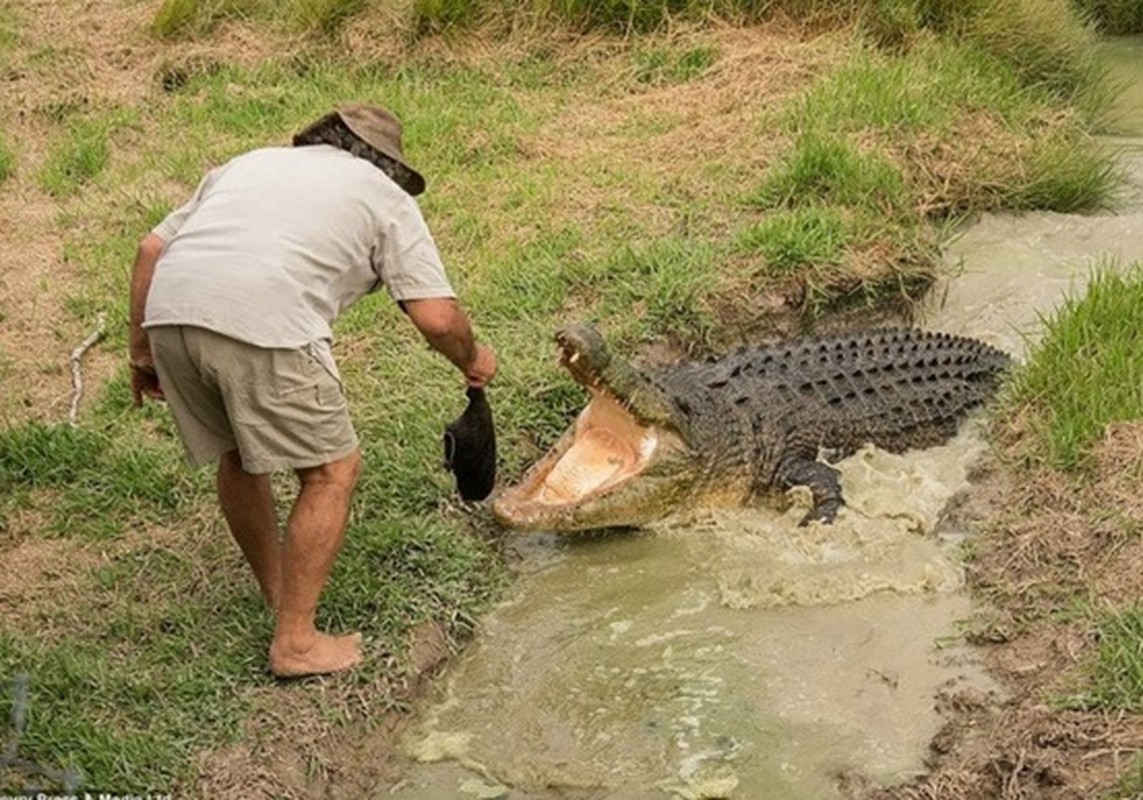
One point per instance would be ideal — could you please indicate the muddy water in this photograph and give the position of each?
(734, 654)
(1125, 59)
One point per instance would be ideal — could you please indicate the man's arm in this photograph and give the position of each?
(144, 380)
(446, 328)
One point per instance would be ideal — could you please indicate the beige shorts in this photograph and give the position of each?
(280, 408)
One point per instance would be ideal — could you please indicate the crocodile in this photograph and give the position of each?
(753, 423)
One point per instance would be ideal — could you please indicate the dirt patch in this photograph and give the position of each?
(292, 748)
(42, 578)
(1041, 543)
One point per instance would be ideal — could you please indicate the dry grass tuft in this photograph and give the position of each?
(44, 576)
(950, 170)
(694, 134)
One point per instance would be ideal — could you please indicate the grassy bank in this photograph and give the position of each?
(1085, 375)
(888, 19)
(1081, 382)
(1053, 563)
(701, 186)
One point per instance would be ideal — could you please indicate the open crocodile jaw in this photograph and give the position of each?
(604, 449)
(613, 464)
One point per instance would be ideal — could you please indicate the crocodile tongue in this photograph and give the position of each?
(608, 447)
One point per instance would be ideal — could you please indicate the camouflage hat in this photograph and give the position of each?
(380, 129)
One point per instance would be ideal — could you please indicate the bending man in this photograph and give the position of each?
(232, 300)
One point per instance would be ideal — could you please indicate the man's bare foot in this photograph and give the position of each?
(324, 654)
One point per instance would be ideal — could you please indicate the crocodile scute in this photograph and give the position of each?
(652, 441)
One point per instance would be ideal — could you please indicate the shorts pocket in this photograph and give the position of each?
(304, 376)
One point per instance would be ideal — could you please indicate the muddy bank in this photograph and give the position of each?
(1041, 546)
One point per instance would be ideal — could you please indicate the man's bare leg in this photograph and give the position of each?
(248, 505)
(314, 534)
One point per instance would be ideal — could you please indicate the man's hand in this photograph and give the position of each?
(144, 379)
(483, 367)
(144, 382)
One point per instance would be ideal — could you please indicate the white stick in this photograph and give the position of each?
(76, 375)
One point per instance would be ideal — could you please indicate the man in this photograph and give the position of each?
(232, 299)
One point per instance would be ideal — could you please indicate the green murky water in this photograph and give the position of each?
(1124, 56)
(733, 654)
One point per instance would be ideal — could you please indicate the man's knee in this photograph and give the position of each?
(230, 461)
(343, 472)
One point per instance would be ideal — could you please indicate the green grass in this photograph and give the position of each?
(430, 16)
(188, 18)
(659, 289)
(36, 455)
(103, 490)
(159, 650)
(1115, 674)
(325, 17)
(1064, 173)
(1086, 372)
(7, 160)
(1043, 41)
(78, 157)
(129, 716)
(824, 168)
(791, 241)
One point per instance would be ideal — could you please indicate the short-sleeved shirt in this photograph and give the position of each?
(277, 242)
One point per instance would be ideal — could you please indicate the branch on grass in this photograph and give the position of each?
(76, 372)
(10, 761)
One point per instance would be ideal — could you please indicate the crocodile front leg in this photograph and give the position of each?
(822, 480)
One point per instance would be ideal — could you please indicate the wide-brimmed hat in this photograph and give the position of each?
(380, 129)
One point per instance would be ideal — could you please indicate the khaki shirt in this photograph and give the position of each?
(276, 243)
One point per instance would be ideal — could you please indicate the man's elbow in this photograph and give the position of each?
(151, 246)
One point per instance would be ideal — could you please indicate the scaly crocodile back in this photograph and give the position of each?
(896, 388)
